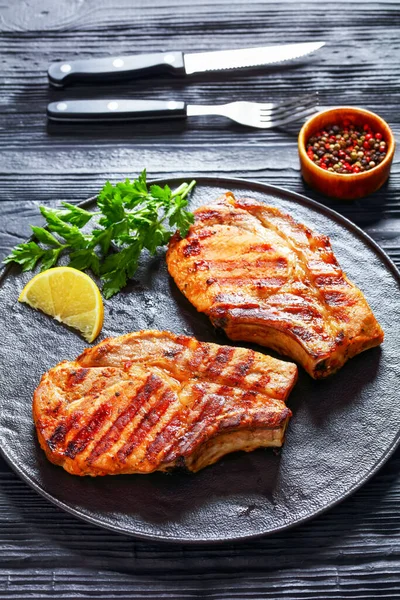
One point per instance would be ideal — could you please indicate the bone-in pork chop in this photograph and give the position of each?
(264, 278)
(152, 400)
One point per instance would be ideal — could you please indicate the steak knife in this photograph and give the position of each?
(119, 68)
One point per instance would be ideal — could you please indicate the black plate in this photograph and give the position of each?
(342, 431)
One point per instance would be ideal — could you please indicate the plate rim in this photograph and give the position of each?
(297, 198)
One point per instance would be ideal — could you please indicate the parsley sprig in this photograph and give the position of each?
(132, 216)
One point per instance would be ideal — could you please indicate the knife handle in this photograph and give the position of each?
(115, 110)
(115, 68)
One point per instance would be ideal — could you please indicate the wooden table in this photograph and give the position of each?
(353, 550)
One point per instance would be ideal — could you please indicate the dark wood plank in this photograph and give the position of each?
(353, 550)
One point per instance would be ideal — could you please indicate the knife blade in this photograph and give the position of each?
(120, 68)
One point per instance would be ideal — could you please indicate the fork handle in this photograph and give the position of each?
(115, 110)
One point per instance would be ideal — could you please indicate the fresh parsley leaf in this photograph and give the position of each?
(179, 217)
(133, 193)
(132, 216)
(44, 236)
(118, 268)
(71, 233)
(110, 203)
(164, 194)
(155, 237)
(85, 259)
(75, 215)
(102, 238)
(50, 258)
(130, 256)
(113, 283)
(26, 255)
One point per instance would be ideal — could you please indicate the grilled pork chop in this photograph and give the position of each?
(152, 400)
(264, 278)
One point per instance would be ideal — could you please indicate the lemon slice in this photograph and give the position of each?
(69, 296)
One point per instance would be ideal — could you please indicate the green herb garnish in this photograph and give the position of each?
(131, 216)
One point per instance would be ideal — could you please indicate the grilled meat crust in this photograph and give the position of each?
(151, 400)
(264, 278)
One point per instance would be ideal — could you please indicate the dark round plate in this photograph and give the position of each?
(342, 431)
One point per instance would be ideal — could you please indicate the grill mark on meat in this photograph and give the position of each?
(328, 257)
(219, 316)
(173, 352)
(247, 397)
(113, 434)
(101, 351)
(233, 421)
(58, 436)
(336, 298)
(174, 426)
(87, 433)
(208, 214)
(330, 280)
(52, 411)
(77, 377)
(193, 248)
(265, 416)
(268, 282)
(227, 301)
(184, 340)
(205, 233)
(340, 338)
(199, 427)
(261, 262)
(282, 416)
(261, 248)
(237, 282)
(242, 368)
(165, 440)
(308, 314)
(147, 416)
(317, 242)
(258, 282)
(285, 299)
(199, 356)
(175, 238)
(262, 383)
(302, 333)
(279, 262)
(221, 359)
(250, 415)
(200, 265)
(150, 420)
(198, 392)
(99, 385)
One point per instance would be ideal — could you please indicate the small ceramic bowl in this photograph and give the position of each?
(338, 185)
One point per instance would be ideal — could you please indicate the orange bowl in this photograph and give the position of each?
(339, 185)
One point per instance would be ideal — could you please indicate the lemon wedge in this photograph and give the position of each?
(69, 296)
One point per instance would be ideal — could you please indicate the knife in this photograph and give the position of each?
(119, 68)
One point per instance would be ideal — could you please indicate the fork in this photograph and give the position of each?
(252, 114)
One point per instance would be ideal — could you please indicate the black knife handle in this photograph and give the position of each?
(115, 68)
(115, 110)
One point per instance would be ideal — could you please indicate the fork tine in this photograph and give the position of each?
(298, 101)
(255, 114)
(281, 109)
(269, 122)
(288, 114)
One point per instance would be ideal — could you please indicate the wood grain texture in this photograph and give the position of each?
(353, 551)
